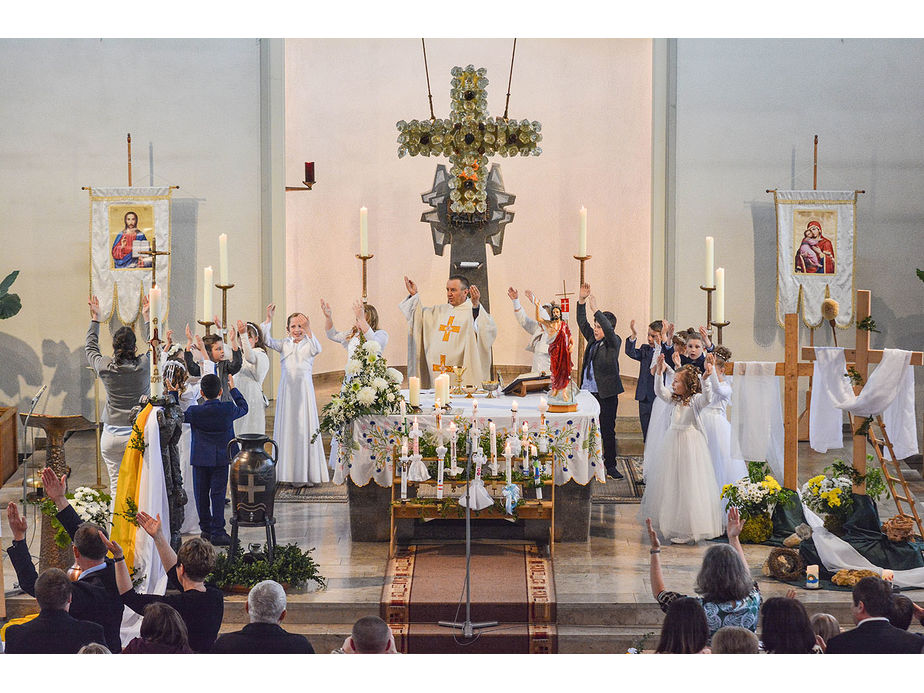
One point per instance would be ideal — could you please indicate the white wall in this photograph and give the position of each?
(343, 98)
(192, 107)
(747, 111)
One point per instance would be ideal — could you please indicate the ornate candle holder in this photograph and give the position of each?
(224, 306)
(708, 290)
(306, 183)
(718, 326)
(207, 324)
(365, 259)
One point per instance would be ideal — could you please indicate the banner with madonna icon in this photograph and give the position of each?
(126, 224)
(816, 231)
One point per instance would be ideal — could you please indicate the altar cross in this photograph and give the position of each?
(250, 489)
(153, 253)
(449, 328)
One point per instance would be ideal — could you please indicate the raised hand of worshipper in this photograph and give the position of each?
(325, 308)
(704, 333)
(710, 365)
(146, 308)
(94, 308)
(513, 294)
(475, 294)
(241, 328)
(660, 366)
(410, 286)
(632, 330)
(17, 522)
(270, 310)
(149, 524)
(55, 488)
(584, 292)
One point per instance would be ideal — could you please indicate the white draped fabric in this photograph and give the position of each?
(804, 273)
(757, 414)
(888, 391)
(119, 289)
(575, 437)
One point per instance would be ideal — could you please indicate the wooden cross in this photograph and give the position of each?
(449, 328)
(250, 489)
(153, 253)
(442, 366)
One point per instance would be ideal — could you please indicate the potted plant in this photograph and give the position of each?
(291, 567)
(755, 496)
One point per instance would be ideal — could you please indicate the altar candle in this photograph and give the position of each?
(309, 172)
(223, 259)
(363, 231)
(507, 455)
(582, 235)
(710, 261)
(413, 384)
(206, 294)
(720, 294)
(154, 305)
(493, 430)
(811, 577)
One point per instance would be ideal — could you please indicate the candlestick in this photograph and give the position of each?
(582, 234)
(413, 383)
(708, 290)
(365, 257)
(363, 231)
(223, 258)
(309, 172)
(710, 261)
(207, 324)
(718, 326)
(582, 258)
(207, 293)
(224, 307)
(720, 294)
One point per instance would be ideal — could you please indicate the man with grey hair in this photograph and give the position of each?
(370, 635)
(266, 607)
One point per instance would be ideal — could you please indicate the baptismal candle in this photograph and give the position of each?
(416, 430)
(223, 259)
(206, 294)
(404, 470)
(720, 294)
(474, 410)
(413, 385)
(363, 231)
(157, 384)
(710, 261)
(513, 412)
(811, 577)
(154, 304)
(403, 406)
(493, 430)
(507, 455)
(582, 234)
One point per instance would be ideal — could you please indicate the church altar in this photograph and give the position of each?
(574, 437)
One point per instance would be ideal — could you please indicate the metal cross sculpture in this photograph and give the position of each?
(468, 201)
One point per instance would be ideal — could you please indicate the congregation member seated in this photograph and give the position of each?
(266, 608)
(872, 601)
(785, 628)
(684, 630)
(726, 590)
(734, 640)
(370, 635)
(94, 648)
(95, 596)
(54, 630)
(901, 612)
(162, 632)
(825, 627)
(201, 606)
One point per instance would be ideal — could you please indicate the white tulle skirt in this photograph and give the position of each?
(718, 437)
(681, 495)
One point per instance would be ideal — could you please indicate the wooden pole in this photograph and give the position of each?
(861, 364)
(815, 167)
(129, 159)
(791, 403)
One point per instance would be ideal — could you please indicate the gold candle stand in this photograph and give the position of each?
(365, 259)
(709, 323)
(718, 326)
(580, 355)
(207, 324)
(224, 307)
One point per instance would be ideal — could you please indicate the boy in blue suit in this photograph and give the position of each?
(644, 389)
(212, 429)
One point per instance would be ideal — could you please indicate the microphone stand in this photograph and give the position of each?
(25, 427)
(467, 627)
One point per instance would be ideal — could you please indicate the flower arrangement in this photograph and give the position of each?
(830, 494)
(370, 387)
(755, 496)
(89, 504)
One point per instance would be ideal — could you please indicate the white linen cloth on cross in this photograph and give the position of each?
(757, 414)
(888, 391)
(442, 336)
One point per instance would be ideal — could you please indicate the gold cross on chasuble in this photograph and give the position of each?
(250, 489)
(442, 366)
(449, 328)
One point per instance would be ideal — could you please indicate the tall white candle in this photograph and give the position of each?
(157, 384)
(414, 390)
(474, 410)
(363, 231)
(416, 432)
(452, 446)
(720, 294)
(710, 260)
(207, 294)
(154, 306)
(507, 455)
(403, 407)
(513, 413)
(493, 429)
(582, 236)
(223, 259)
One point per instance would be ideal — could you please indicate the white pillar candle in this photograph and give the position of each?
(414, 390)
(363, 231)
(154, 305)
(582, 235)
(207, 294)
(720, 294)
(710, 260)
(811, 577)
(223, 259)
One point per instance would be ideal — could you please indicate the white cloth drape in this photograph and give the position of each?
(835, 210)
(757, 414)
(119, 290)
(888, 391)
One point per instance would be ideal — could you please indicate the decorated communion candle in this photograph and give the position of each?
(508, 454)
(493, 430)
(537, 478)
(439, 474)
(811, 577)
(404, 470)
(453, 429)
(513, 413)
(416, 436)
(413, 389)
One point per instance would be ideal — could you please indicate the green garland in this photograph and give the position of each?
(875, 483)
(290, 566)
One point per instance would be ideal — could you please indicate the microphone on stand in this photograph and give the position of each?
(38, 395)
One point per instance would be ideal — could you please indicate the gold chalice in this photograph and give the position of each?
(470, 390)
(458, 370)
(490, 386)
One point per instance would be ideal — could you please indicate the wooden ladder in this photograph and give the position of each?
(891, 470)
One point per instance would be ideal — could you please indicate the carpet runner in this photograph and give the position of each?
(512, 584)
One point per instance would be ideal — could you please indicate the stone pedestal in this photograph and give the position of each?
(572, 512)
(370, 511)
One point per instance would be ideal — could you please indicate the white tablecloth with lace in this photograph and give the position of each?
(574, 437)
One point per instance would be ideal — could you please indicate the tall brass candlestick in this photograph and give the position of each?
(224, 307)
(207, 324)
(365, 259)
(709, 323)
(580, 355)
(718, 326)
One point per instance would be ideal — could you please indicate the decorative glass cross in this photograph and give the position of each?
(449, 328)
(468, 137)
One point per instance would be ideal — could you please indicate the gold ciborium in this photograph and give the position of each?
(490, 386)
(458, 370)
(470, 390)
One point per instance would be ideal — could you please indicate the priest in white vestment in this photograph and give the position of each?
(459, 332)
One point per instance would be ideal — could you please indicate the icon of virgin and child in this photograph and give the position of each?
(816, 253)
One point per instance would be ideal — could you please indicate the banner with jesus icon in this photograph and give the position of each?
(127, 225)
(816, 232)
